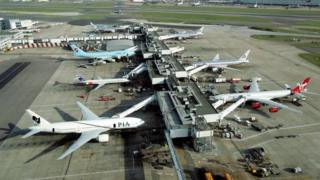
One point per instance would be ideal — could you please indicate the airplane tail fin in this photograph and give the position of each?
(216, 58)
(37, 119)
(200, 31)
(244, 57)
(80, 78)
(93, 25)
(76, 50)
(301, 86)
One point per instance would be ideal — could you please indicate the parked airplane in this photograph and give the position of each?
(196, 3)
(183, 35)
(90, 127)
(109, 28)
(218, 65)
(180, 3)
(99, 82)
(101, 56)
(257, 97)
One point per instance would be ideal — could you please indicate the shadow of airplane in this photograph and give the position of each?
(65, 116)
(12, 131)
(61, 142)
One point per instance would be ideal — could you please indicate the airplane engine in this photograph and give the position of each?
(102, 62)
(217, 70)
(103, 138)
(246, 87)
(273, 109)
(255, 105)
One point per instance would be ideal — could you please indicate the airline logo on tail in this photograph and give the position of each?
(301, 87)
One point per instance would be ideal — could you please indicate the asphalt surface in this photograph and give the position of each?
(20, 83)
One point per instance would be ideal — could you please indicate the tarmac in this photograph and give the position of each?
(45, 86)
(277, 64)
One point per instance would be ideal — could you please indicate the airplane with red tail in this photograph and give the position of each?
(258, 97)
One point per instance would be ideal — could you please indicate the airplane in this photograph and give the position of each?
(196, 3)
(102, 56)
(90, 127)
(109, 28)
(99, 82)
(257, 97)
(180, 3)
(183, 35)
(218, 65)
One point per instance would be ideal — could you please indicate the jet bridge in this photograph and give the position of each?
(137, 70)
(218, 117)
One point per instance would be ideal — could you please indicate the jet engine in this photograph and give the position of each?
(273, 109)
(103, 138)
(255, 105)
(217, 70)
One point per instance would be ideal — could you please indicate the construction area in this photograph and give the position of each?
(186, 134)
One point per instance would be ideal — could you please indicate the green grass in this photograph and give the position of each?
(54, 6)
(236, 10)
(282, 38)
(312, 58)
(309, 44)
(198, 18)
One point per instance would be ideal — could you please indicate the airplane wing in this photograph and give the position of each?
(254, 86)
(87, 113)
(273, 103)
(83, 139)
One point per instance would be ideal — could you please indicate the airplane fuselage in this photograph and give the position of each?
(106, 81)
(88, 125)
(105, 54)
(261, 94)
(219, 63)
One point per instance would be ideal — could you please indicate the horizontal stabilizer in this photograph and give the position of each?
(32, 132)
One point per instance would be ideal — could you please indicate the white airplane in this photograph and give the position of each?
(218, 65)
(180, 3)
(90, 127)
(99, 82)
(109, 28)
(257, 97)
(196, 3)
(183, 35)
